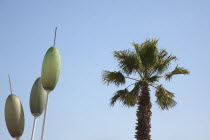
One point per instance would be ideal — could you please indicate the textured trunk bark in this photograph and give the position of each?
(144, 114)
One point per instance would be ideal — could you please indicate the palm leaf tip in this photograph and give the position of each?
(176, 71)
(165, 99)
(116, 78)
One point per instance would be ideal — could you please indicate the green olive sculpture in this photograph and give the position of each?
(37, 101)
(14, 116)
(51, 68)
(50, 73)
(37, 98)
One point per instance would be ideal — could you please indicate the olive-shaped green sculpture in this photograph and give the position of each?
(50, 73)
(37, 98)
(14, 116)
(51, 68)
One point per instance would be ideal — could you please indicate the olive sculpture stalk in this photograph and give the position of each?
(50, 73)
(14, 115)
(38, 98)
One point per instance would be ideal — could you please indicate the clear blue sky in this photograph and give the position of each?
(88, 32)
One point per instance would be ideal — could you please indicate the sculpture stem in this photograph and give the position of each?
(45, 115)
(33, 130)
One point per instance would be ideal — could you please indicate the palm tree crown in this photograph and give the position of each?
(149, 64)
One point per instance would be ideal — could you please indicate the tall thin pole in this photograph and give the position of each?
(45, 115)
(34, 126)
(10, 85)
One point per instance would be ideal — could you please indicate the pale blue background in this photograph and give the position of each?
(88, 32)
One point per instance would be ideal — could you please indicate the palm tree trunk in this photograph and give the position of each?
(144, 114)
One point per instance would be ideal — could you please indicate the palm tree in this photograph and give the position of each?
(145, 65)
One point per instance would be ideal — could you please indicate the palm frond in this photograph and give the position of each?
(128, 99)
(118, 95)
(131, 100)
(116, 78)
(153, 79)
(164, 62)
(137, 48)
(128, 61)
(137, 87)
(162, 53)
(176, 71)
(148, 53)
(165, 99)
